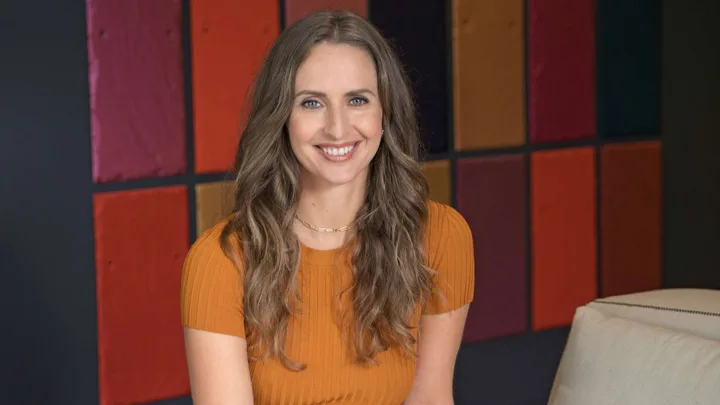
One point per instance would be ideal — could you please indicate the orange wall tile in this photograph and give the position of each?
(563, 232)
(229, 41)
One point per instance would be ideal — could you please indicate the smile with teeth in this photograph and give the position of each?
(338, 151)
(337, 154)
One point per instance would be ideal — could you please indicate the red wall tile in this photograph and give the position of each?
(141, 241)
(561, 70)
(297, 9)
(631, 195)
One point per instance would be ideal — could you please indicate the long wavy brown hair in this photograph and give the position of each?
(390, 278)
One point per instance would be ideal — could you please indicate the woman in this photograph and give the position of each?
(335, 280)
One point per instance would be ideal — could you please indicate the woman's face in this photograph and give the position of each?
(336, 122)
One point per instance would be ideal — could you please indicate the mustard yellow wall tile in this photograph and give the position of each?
(438, 175)
(214, 201)
(488, 73)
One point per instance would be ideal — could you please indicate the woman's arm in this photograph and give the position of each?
(443, 319)
(218, 367)
(438, 344)
(211, 314)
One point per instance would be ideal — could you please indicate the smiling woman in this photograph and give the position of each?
(335, 280)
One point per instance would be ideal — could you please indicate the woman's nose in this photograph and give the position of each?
(336, 122)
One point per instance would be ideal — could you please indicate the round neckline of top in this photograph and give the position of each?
(311, 255)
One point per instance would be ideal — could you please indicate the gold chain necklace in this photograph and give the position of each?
(317, 229)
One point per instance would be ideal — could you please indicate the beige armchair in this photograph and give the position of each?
(651, 348)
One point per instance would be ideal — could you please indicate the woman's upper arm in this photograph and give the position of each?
(218, 368)
(212, 317)
(443, 319)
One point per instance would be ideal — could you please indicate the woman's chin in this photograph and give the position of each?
(337, 177)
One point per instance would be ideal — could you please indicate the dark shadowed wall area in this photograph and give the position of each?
(577, 137)
(691, 138)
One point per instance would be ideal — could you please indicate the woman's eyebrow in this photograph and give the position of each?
(323, 95)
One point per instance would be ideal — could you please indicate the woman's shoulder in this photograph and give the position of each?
(446, 226)
(208, 242)
(211, 287)
(450, 254)
(445, 218)
(208, 257)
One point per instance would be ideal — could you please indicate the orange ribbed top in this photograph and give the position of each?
(212, 295)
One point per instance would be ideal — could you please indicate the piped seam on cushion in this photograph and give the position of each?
(686, 311)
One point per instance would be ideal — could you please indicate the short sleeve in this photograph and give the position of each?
(211, 288)
(451, 255)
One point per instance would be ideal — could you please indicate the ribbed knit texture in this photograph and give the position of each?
(212, 299)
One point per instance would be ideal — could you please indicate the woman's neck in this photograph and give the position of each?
(328, 207)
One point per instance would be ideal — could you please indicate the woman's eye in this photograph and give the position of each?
(310, 104)
(357, 101)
